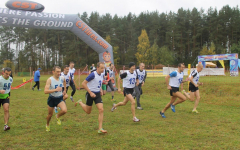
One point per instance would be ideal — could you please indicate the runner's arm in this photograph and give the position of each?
(145, 76)
(2, 91)
(191, 80)
(64, 85)
(167, 80)
(122, 76)
(84, 84)
(119, 82)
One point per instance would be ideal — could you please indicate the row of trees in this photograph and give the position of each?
(150, 37)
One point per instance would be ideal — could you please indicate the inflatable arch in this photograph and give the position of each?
(28, 14)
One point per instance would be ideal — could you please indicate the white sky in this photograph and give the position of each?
(123, 7)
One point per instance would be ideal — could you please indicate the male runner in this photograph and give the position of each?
(93, 84)
(111, 75)
(142, 74)
(54, 89)
(129, 80)
(72, 82)
(176, 79)
(5, 87)
(67, 79)
(193, 86)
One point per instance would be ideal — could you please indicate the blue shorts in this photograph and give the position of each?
(54, 101)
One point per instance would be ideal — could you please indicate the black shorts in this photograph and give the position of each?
(192, 88)
(174, 90)
(97, 99)
(54, 101)
(127, 91)
(3, 101)
(66, 89)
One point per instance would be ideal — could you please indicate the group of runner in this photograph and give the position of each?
(133, 80)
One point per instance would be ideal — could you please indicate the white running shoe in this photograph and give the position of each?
(140, 108)
(6, 127)
(135, 119)
(71, 98)
(113, 108)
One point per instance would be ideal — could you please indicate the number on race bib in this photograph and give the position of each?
(67, 80)
(180, 80)
(197, 79)
(57, 86)
(100, 84)
(132, 81)
(7, 86)
(140, 77)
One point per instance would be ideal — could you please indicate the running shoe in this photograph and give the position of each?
(173, 107)
(195, 111)
(47, 128)
(113, 108)
(140, 108)
(58, 121)
(135, 119)
(71, 99)
(162, 114)
(55, 109)
(6, 127)
(102, 131)
(78, 102)
(113, 100)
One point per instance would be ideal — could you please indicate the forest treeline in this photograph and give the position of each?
(172, 37)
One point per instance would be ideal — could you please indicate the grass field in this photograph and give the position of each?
(215, 127)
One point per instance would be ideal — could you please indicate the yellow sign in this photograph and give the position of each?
(24, 79)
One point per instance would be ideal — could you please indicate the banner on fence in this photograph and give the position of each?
(150, 73)
(204, 72)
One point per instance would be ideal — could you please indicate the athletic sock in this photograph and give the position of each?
(112, 97)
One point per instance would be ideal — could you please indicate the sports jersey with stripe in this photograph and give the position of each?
(71, 72)
(195, 76)
(141, 75)
(129, 79)
(5, 84)
(176, 79)
(66, 76)
(56, 83)
(95, 81)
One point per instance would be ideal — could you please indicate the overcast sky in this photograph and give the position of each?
(123, 7)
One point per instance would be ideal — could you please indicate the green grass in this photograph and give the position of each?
(216, 127)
